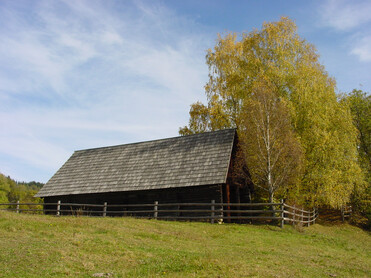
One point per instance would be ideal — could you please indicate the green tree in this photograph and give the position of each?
(4, 189)
(277, 55)
(360, 106)
(12, 191)
(359, 103)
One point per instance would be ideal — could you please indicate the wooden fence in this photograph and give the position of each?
(346, 212)
(212, 212)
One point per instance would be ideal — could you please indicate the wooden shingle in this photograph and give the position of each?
(194, 160)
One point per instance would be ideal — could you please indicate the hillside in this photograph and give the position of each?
(47, 246)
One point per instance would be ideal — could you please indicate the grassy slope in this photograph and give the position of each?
(46, 246)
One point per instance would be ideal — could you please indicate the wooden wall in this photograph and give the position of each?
(195, 194)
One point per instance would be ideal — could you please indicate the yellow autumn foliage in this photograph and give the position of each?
(277, 55)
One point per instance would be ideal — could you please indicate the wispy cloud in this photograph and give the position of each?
(353, 17)
(90, 73)
(362, 49)
(345, 15)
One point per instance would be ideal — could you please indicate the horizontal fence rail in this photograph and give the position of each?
(212, 212)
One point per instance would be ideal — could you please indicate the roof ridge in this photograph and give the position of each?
(156, 140)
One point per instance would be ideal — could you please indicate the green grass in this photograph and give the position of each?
(47, 246)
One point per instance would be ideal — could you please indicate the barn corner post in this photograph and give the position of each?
(228, 203)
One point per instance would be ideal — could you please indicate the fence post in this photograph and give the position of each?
(282, 214)
(18, 206)
(105, 209)
(212, 211)
(350, 211)
(302, 216)
(221, 212)
(342, 213)
(155, 213)
(308, 218)
(59, 208)
(314, 215)
(293, 216)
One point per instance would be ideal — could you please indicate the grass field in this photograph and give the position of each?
(47, 246)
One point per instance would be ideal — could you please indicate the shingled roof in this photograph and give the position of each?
(200, 159)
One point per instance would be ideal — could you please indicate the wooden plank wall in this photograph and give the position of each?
(196, 194)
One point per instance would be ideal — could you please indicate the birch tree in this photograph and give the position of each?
(273, 154)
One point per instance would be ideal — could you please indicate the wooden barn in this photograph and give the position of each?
(185, 169)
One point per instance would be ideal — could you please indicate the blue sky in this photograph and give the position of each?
(83, 74)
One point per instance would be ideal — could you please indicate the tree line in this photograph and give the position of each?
(299, 139)
(12, 191)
